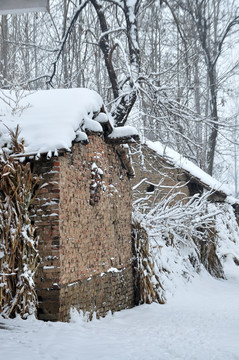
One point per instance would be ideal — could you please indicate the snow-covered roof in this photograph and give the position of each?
(50, 120)
(174, 158)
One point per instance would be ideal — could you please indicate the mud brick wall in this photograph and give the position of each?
(109, 291)
(83, 214)
(151, 169)
(46, 218)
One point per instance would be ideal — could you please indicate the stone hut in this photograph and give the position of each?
(83, 208)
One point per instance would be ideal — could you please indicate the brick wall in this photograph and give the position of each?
(83, 216)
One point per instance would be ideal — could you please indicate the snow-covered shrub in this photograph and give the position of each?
(175, 240)
(18, 242)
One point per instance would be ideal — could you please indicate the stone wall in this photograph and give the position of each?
(83, 214)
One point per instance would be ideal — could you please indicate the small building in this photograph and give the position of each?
(83, 208)
(164, 179)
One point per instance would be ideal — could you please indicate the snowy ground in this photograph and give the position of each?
(200, 322)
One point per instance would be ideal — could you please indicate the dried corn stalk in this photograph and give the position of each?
(19, 256)
(147, 283)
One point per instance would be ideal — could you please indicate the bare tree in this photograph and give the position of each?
(155, 62)
(212, 29)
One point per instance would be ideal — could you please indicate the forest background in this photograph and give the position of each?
(169, 67)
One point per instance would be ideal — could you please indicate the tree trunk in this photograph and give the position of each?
(214, 117)
(3, 55)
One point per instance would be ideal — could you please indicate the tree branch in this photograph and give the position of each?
(68, 31)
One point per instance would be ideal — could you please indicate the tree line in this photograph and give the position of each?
(164, 65)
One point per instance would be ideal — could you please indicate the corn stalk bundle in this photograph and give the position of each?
(19, 256)
(147, 284)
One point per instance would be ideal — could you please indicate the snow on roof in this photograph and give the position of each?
(179, 161)
(50, 120)
(123, 131)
